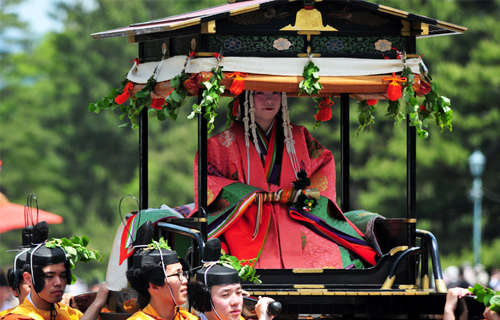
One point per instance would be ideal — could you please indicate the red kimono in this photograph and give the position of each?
(280, 237)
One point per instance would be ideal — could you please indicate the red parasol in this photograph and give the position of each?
(12, 216)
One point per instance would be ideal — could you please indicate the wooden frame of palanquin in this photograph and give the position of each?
(348, 30)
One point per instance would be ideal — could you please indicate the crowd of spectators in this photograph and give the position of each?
(467, 275)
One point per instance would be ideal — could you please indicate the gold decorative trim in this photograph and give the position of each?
(408, 286)
(305, 55)
(425, 29)
(300, 270)
(308, 22)
(183, 24)
(388, 283)
(413, 220)
(204, 54)
(397, 249)
(244, 10)
(396, 12)
(208, 27)
(131, 39)
(440, 285)
(451, 26)
(414, 29)
(405, 30)
(309, 33)
(335, 294)
(309, 286)
(311, 292)
(258, 293)
(425, 282)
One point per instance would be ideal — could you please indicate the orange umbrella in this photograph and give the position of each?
(12, 216)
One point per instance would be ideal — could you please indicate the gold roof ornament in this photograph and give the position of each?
(308, 21)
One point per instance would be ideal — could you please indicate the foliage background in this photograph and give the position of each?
(80, 164)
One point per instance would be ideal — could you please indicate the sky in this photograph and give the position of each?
(37, 14)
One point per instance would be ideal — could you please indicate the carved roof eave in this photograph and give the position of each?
(172, 26)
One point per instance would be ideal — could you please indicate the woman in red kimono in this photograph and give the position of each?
(253, 209)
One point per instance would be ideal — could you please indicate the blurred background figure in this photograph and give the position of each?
(5, 295)
(460, 280)
(495, 280)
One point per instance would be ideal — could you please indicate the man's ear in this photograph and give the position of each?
(14, 292)
(27, 279)
(153, 289)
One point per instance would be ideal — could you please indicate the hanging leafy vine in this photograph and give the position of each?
(210, 98)
(310, 84)
(434, 106)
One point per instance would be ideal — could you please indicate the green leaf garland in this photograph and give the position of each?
(245, 272)
(210, 98)
(76, 250)
(365, 116)
(176, 98)
(162, 244)
(310, 84)
(487, 296)
(434, 106)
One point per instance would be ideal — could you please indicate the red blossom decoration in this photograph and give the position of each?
(372, 102)
(238, 84)
(125, 94)
(236, 106)
(203, 76)
(157, 103)
(137, 61)
(424, 88)
(394, 91)
(191, 85)
(217, 55)
(325, 110)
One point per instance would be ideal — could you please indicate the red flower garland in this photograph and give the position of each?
(157, 103)
(127, 91)
(236, 106)
(191, 85)
(325, 110)
(203, 76)
(372, 102)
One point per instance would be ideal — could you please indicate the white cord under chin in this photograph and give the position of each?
(166, 278)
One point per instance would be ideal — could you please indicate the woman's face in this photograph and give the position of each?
(228, 301)
(266, 104)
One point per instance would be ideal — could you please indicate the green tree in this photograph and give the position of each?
(78, 164)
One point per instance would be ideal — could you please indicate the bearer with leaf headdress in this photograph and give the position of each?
(47, 271)
(160, 277)
(216, 291)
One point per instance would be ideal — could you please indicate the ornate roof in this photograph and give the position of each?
(343, 13)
